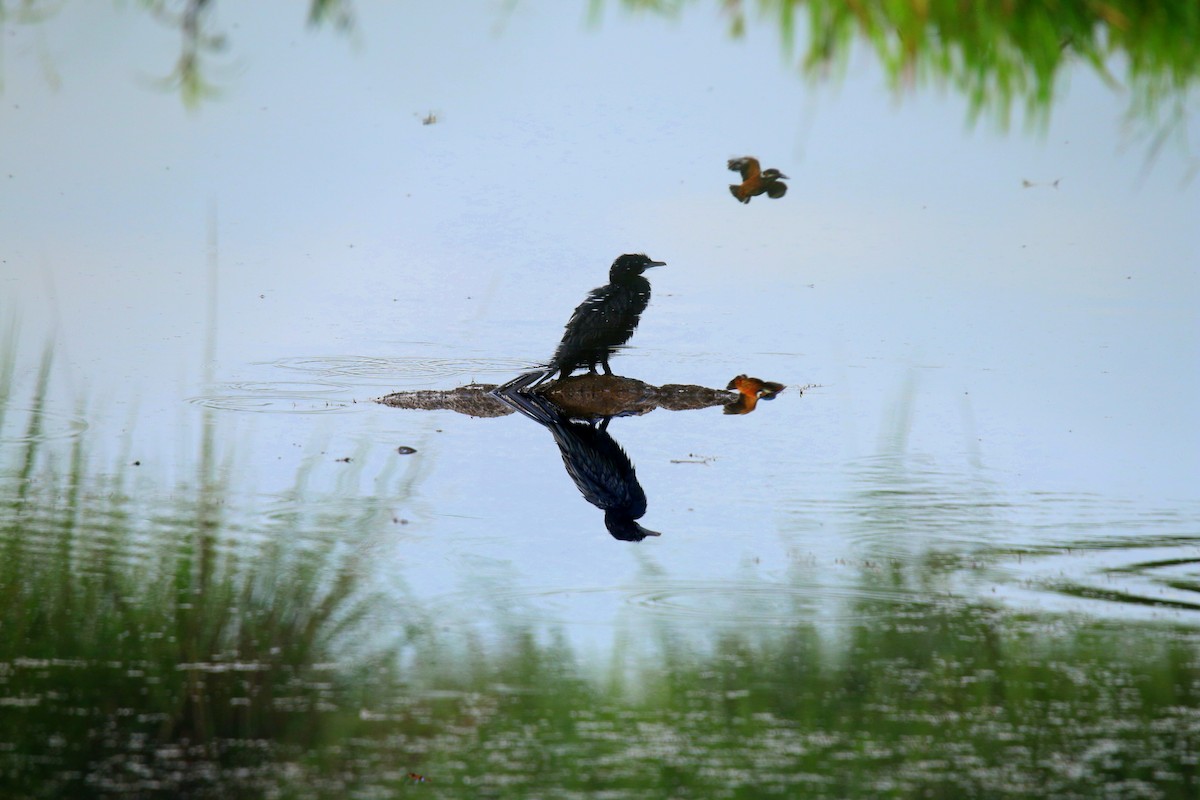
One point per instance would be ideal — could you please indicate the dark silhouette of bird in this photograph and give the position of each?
(601, 470)
(606, 319)
(756, 180)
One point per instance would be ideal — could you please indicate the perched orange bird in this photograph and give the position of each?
(750, 391)
(755, 180)
(755, 387)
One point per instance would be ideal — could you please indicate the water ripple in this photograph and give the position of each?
(765, 603)
(400, 367)
(279, 397)
(769, 603)
(1148, 579)
(53, 426)
(900, 507)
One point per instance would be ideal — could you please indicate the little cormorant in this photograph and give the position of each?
(606, 319)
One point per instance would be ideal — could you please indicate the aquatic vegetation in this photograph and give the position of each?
(997, 54)
(143, 648)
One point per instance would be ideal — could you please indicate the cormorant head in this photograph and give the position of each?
(772, 174)
(631, 264)
(625, 529)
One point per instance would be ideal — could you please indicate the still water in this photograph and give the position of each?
(958, 555)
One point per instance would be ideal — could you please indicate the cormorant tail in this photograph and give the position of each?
(534, 406)
(523, 382)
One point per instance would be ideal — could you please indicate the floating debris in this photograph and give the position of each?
(694, 459)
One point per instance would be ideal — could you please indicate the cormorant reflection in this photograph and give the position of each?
(600, 468)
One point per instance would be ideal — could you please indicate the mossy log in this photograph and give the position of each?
(588, 396)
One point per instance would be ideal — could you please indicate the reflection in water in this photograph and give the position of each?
(600, 468)
(755, 180)
(605, 319)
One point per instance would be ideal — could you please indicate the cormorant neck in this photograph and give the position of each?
(626, 278)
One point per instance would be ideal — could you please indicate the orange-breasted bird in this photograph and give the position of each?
(755, 180)
(750, 391)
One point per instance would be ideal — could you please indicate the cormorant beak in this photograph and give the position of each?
(639, 533)
(626, 529)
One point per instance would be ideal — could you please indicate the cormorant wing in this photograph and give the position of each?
(605, 319)
(600, 469)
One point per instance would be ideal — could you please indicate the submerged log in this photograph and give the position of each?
(585, 396)
(612, 395)
(473, 399)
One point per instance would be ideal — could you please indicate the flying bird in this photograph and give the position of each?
(755, 180)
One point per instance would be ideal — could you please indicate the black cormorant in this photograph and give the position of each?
(606, 319)
(755, 180)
